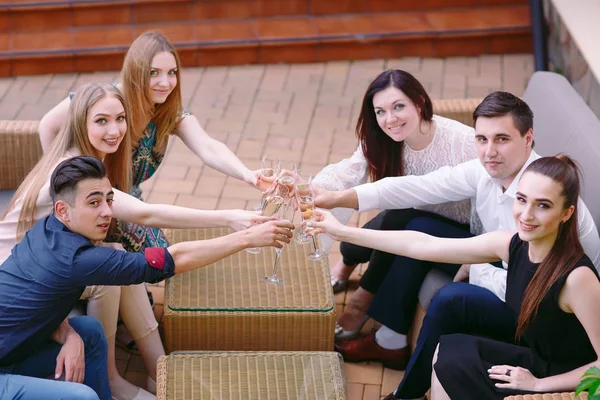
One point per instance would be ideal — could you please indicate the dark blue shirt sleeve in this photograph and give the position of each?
(93, 265)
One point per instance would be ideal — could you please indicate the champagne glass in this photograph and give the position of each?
(303, 189)
(270, 206)
(288, 173)
(270, 166)
(269, 169)
(307, 208)
(286, 212)
(255, 250)
(274, 200)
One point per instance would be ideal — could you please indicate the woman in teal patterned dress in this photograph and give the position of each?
(149, 81)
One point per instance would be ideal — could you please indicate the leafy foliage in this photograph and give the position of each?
(590, 382)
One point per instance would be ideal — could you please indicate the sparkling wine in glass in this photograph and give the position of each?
(307, 209)
(269, 169)
(273, 202)
(272, 206)
(303, 190)
(287, 177)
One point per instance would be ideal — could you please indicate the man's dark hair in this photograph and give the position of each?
(69, 173)
(499, 104)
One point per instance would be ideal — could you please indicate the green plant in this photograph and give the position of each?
(590, 382)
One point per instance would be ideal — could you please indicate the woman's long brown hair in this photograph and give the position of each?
(383, 154)
(567, 250)
(135, 81)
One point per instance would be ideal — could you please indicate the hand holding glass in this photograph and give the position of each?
(307, 208)
(270, 206)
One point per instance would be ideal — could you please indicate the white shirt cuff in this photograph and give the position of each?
(489, 277)
(367, 197)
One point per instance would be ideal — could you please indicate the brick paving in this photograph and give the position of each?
(303, 112)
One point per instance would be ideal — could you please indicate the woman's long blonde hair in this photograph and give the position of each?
(74, 135)
(135, 81)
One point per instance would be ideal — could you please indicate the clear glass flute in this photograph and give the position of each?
(288, 172)
(270, 166)
(307, 208)
(274, 200)
(286, 212)
(303, 189)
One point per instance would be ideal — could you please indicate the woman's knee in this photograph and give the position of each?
(353, 254)
(447, 296)
(428, 225)
(346, 248)
(102, 292)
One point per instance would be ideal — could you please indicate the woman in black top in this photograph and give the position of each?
(552, 286)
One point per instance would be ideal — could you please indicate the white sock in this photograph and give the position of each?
(389, 339)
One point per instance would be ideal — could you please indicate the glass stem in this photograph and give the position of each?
(277, 258)
(314, 240)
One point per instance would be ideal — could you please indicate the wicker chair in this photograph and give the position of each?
(20, 150)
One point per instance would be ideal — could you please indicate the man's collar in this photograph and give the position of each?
(56, 223)
(512, 188)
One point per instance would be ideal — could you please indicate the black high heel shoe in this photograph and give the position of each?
(339, 285)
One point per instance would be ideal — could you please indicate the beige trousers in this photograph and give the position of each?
(105, 303)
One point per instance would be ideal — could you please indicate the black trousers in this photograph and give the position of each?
(379, 262)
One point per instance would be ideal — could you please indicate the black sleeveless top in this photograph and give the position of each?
(558, 340)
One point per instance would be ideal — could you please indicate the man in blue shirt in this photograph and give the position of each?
(48, 270)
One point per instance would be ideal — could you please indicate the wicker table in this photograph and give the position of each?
(251, 375)
(227, 306)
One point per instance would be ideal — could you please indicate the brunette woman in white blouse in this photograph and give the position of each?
(398, 135)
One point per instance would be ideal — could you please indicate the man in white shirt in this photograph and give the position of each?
(504, 141)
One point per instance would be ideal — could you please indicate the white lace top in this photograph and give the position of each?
(452, 143)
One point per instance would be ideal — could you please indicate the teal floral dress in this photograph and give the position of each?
(146, 158)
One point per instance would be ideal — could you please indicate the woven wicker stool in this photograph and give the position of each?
(251, 376)
(227, 306)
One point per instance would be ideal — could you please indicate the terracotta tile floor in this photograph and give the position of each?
(305, 111)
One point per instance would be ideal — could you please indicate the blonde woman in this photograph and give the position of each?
(150, 82)
(97, 124)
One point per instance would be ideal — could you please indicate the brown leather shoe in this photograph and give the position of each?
(367, 349)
